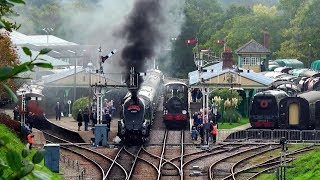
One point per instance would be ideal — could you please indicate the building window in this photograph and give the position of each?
(255, 61)
(246, 61)
(250, 61)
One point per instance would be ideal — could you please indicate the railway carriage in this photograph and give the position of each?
(301, 112)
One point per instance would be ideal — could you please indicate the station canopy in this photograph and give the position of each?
(294, 63)
(315, 65)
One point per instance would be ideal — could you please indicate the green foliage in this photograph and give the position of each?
(14, 165)
(231, 116)
(233, 125)
(5, 11)
(79, 104)
(227, 101)
(12, 72)
(304, 167)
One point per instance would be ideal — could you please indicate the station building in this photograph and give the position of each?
(245, 78)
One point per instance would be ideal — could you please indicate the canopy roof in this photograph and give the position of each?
(294, 63)
(315, 65)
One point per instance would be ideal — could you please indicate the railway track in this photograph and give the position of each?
(98, 163)
(174, 159)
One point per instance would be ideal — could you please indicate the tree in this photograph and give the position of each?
(5, 12)
(241, 29)
(301, 38)
(8, 57)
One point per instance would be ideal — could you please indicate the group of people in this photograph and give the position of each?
(205, 126)
(196, 95)
(85, 116)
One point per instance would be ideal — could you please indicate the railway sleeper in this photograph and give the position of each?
(170, 173)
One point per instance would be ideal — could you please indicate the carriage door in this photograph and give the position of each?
(293, 114)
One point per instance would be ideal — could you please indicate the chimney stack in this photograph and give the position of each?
(266, 40)
(227, 60)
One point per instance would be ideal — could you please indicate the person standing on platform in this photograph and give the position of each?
(86, 118)
(30, 139)
(108, 118)
(93, 117)
(214, 132)
(57, 109)
(194, 133)
(79, 119)
(195, 119)
(201, 132)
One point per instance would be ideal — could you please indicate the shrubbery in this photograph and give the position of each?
(79, 104)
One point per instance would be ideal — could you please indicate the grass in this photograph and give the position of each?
(304, 167)
(17, 145)
(227, 125)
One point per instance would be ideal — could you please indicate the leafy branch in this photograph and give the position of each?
(18, 165)
(7, 72)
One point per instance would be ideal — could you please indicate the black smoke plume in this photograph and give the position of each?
(142, 34)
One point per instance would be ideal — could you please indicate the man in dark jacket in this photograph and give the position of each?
(86, 118)
(57, 109)
(79, 119)
(93, 117)
(201, 132)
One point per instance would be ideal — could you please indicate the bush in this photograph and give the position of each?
(79, 104)
(231, 115)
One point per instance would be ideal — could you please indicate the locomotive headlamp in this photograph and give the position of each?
(184, 112)
(144, 131)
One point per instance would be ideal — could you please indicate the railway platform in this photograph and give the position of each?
(71, 124)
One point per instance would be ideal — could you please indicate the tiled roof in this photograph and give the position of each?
(216, 70)
(252, 47)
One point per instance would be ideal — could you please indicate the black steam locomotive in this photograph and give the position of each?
(175, 105)
(264, 109)
(138, 109)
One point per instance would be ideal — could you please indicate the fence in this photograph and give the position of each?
(74, 164)
(312, 136)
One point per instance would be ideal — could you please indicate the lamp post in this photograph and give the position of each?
(48, 30)
(75, 74)
(309, 59)
(90, 68)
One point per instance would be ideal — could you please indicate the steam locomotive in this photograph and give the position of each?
(138, 109)
(264, 112)
(175, 105)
